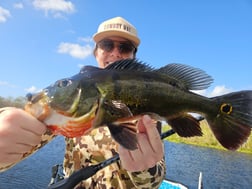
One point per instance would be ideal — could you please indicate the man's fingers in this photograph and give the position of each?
(9, 158)
(152, 133)
(37, 127)
(28, 138)
(19, 149)
(126, 158)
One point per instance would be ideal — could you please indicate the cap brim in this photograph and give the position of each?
(102, 35)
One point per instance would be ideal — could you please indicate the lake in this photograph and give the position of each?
(220, 169)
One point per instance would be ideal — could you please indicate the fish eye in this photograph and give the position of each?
(64, 83)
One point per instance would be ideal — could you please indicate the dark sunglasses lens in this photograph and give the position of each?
(126, 48)
(106, 45)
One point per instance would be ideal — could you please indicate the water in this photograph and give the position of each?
(220, 169)
(35, 171)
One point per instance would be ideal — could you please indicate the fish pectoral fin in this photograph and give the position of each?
(124, 134)
(186, 126)
(121, 107)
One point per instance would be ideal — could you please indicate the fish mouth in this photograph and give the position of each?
(37, 105)
(58, 121)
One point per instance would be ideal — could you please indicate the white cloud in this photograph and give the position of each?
(32, 89)
(220, 90)
(80, 66)
(4, 14)
(85, 39)
(200, 92)
(18, 5)
(2, 83)
(6, 84)
(217, 91)
(56, 7)
(75, 50)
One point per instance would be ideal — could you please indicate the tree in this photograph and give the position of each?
(18, 102)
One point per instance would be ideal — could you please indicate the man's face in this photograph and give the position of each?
(112, 49)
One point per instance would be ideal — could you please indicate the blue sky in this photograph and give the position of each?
(42, 41)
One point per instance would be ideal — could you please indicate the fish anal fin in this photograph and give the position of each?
(124, 134)
(186, 126)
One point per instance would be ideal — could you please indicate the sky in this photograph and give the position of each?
(42, 41)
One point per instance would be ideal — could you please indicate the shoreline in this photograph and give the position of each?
(208, 140)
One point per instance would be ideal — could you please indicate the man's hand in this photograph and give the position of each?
(19, 132)
(150, 147)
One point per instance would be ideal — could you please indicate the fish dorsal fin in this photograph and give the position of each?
(130, 64)
(85, 69)
(191, 78)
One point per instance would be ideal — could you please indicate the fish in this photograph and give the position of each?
(116, 96)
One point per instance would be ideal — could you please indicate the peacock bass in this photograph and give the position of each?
(123, 91)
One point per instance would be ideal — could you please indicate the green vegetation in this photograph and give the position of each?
(13, 102)
(207, 140)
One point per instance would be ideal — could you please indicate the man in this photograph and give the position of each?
(115, 39)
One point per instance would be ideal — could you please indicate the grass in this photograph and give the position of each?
(207, 140)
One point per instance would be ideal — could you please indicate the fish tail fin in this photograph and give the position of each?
(186, 125)
(232, 124)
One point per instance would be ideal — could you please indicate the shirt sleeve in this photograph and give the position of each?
(150, 178)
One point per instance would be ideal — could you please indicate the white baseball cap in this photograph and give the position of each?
(117, 27)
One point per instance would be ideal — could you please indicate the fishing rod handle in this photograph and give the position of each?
(74, 178)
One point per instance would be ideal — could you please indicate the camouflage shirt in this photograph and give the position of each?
(98, 146)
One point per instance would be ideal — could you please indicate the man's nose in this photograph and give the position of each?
(115, 52)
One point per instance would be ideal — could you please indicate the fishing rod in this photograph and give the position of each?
(86, 172)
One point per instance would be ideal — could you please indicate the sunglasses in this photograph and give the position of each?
(123, 47)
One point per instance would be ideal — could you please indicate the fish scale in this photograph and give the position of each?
(117, 95)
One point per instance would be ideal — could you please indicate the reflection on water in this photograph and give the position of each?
(222, 170)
